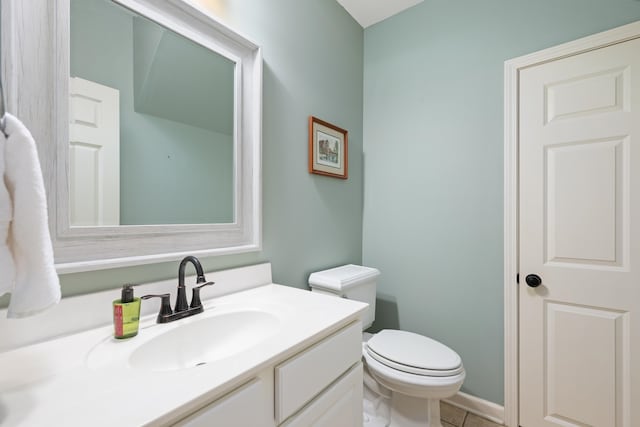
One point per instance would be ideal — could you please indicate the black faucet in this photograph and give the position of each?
(182, 308)
(181, 300)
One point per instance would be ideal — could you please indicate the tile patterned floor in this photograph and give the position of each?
(453, 416)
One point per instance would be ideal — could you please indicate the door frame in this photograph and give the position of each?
(512, 69)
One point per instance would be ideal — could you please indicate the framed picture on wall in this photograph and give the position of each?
(328, 153)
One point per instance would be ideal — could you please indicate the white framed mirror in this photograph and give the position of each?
(147, 117)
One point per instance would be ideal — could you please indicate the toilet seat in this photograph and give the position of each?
(414, 354)
(423, 386)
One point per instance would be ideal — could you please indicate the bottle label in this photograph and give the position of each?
(118, 321)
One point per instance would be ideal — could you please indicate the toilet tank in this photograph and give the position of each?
(350, 281)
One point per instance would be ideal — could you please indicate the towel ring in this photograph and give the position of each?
(2, 109)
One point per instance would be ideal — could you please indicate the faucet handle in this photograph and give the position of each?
(195, 297)
(165, 306)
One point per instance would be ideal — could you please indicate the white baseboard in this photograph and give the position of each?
(475, 405)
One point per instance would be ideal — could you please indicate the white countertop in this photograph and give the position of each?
(51, 384)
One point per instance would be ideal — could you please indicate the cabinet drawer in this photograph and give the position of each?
(338, 406)
(247, 406)
(301, 378)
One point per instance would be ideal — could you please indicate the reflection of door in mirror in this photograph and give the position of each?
(94, 153)
(176, 119)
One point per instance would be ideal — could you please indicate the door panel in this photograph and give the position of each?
(579, 228)
(94, 153)
(588, 95)
(595, 334)
(582, 201)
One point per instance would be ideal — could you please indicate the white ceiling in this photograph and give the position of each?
(369, 12)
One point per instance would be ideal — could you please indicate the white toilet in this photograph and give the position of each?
(406, 374)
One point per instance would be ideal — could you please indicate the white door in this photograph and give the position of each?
(94, 153)
(579, 213)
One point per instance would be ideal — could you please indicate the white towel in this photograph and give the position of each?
(7, 269)
(36, 285)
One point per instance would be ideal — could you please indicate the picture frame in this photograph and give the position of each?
(328, 149)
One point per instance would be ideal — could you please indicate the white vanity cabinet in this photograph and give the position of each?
(300, 367)
(319, 386)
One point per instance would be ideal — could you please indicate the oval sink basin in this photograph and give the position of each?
(206, 340)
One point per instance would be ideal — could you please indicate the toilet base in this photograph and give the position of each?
(387, 408)
(409, 411)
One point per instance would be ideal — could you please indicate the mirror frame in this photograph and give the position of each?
(38, 95)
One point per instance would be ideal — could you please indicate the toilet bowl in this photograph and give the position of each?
(417, 370)
(406, 374)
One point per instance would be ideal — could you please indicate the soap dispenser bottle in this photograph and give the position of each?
(126, 314)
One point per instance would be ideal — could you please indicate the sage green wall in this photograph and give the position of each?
(313, 59)
(433, 123)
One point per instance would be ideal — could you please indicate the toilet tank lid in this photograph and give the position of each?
(343, 277)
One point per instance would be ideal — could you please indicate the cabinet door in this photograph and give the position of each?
(340, 405)
(304, 376)
(250, 405)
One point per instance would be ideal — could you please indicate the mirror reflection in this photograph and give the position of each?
(151, 123)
